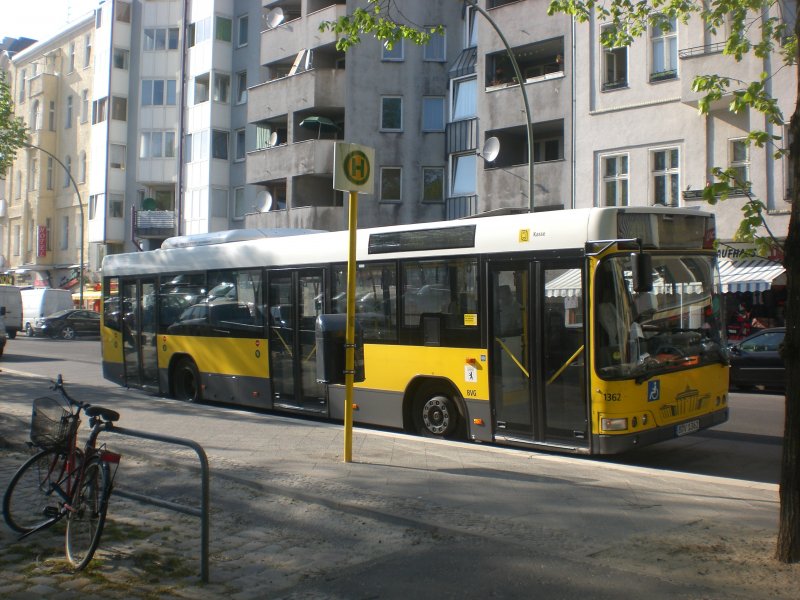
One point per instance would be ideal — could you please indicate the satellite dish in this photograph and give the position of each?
(491, 148)
(263, 201)
(275, 17)
(273, 138)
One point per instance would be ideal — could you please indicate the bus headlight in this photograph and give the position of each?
(618, 424)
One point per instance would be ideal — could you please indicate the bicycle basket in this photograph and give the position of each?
(52, 425)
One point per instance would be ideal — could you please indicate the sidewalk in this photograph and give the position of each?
(409, 517)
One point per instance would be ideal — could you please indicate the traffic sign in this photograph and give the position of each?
(353, 168)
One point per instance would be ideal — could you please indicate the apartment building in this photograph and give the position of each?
(43, 215)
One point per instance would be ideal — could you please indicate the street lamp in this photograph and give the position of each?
(80, 205)
(518, 74)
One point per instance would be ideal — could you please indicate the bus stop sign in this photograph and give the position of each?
(353, 167)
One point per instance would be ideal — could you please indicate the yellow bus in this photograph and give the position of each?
(591, 331)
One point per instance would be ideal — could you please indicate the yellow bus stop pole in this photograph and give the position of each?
(350, 335)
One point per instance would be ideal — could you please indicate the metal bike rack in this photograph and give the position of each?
(202, 512)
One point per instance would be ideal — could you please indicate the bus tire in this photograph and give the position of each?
(435, 413)
(186, 380)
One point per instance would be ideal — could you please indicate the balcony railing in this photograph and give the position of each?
(154, 223)
(702, 50)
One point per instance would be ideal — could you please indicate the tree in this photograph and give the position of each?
(754, 28)
(13, 133)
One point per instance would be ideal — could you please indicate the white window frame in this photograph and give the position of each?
(437, 52)
(738, 163)
(239, 208)
(242, 24)
(619, 178)
(428, 105)
(664, 48)
(464, 113)
(669, 172)
(384, 99)
(241, 87)
(396, 54)
(385, 171)
(456, 190)
(616, 55)
(87, 50)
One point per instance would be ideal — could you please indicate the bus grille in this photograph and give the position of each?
(684, 404)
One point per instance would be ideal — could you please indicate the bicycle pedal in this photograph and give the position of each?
(50, 512)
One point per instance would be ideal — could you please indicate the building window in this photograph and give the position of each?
(219, 144)
(395, 53)
(123, 12)
(432, 184)
(222, 87)
(119, 108)
(433, 113)
(239, 209)
(199, 32)
(17, 242)
(464, 175)
(68, 118)
(391, 184)
(201, 88)
(240, 144)
(33, 175)
(18, 186)
(98, 18)
(391, 113)
(121, 58)
(48, 230)
(158, 92)
(219, 203)
(664, 44)
(471, 28)
(116, 203)
(64, 232)
(157, 144)
(465, 95)
(740, 163)
(160, 38)
(116, 156)
(67, 171)
(241, 87)
(223, 29)
(547, 150)
(243, 24)
(22, 79)
(615, 67)
(37, 115)
(71, 58)
(666, 176)
(99, 110)
(615, 180)
(50, 163)
(87, 50)
(434, 50)
(51, 116)
(82, 167)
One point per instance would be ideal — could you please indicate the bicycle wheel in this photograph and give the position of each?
(88, 514)
(31, 491)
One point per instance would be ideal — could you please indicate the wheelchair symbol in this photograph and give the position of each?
(653, 390)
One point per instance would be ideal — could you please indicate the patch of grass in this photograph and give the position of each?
(121, 532)
(156, 565)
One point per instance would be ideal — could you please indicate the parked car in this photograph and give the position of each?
(40, 302)
(68, 324)
(756, 361)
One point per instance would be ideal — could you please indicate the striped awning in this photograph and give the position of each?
(750, 275)
(465, 63)
(565, 285)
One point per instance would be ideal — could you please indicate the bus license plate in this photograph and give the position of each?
(689, 427)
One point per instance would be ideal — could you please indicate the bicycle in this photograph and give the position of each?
(62, 480)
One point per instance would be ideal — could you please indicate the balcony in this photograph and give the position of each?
(43, 83)
(291, 37)
(306, 90)
(707, 59)
(504, 107)
(327, 218)
(311, 157)
(154, 223)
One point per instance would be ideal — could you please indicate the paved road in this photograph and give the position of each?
(409, 516)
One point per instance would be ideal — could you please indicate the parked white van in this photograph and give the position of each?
(41, 302)
(11, 299)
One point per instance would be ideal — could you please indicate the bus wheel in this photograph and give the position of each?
(436, 415)
(186, 381)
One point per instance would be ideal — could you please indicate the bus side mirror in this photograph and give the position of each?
(642, 267)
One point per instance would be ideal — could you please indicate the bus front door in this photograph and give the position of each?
(138, 322)
(296, 298)
(537, 362)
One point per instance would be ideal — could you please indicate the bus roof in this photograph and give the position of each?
(528, 232)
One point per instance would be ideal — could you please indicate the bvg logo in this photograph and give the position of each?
(356, 167)
(653, 390)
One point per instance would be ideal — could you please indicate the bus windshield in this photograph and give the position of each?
(675, 325)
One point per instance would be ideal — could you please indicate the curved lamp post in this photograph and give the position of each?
(518, 74)
(80, 205)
